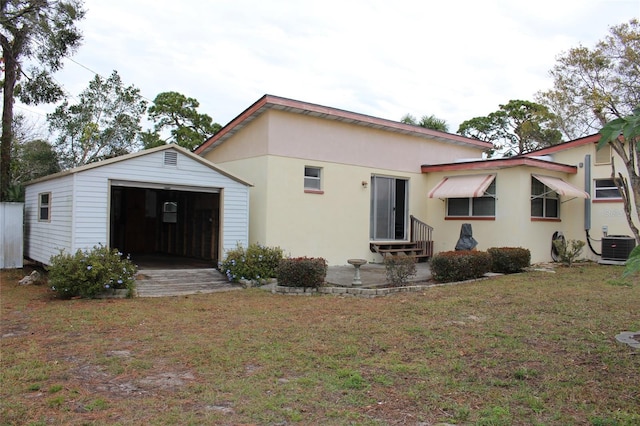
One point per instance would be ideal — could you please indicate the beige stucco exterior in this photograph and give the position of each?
(272, 142)
(272, 152)
(513, 225)
(609, 213)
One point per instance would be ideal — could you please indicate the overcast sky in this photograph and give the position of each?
(456, 59)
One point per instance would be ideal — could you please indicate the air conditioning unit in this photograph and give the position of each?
(617, 247)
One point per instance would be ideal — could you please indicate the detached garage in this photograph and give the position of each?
(163, 201)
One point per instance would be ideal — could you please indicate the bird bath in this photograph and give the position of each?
(357, 263)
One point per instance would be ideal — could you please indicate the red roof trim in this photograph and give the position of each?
(500, 164)
(566, 145)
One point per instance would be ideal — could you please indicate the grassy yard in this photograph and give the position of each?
(534, 348)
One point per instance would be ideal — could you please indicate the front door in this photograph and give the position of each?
(388, 208)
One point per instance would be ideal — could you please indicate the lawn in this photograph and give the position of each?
(526, 349)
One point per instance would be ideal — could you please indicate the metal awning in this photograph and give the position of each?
(462, 186)
(562, 187)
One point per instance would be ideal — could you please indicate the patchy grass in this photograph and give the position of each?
(534, 348)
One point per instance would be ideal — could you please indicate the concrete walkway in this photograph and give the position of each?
(179, 282)
(372, 275)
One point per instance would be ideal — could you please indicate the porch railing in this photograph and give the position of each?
(422, 235)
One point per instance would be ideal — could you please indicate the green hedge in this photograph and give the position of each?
(449, 266)
(509, 260)
(302, 272)
(90, 273)
(256, 262)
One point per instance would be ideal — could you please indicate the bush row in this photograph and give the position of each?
(89, 273)
(463, 265)
(258, 263)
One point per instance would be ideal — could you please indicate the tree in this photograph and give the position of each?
(31, 160)
(427, 121)
(594, 86)
(623, 134)
(516, 128)
(42, 32)
(174, 112)
(31, 157)
(103, 124)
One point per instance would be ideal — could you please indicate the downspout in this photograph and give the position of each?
(587, 201)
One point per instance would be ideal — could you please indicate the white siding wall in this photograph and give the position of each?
(235, 205)
(45, 239)
(90, 201)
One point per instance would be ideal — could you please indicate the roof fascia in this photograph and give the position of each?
(501, 163)
(591, 139)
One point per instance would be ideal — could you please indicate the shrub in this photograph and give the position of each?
(568, 250)
(461, 265)
(257, 262)
(399, 269)
(509, 260)
(302, 272)
(89, 273)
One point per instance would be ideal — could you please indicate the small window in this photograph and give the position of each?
(313, 178)
(603, 155)
(170, 212)
(484, 206)
(44, 207)
(545, 203)
(606, 189)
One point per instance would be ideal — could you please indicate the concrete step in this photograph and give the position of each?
(178, 282)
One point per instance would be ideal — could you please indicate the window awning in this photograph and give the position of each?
(462, 186)
(562, 187)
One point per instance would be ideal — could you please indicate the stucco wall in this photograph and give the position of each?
(609, 213)
(335, 224)
(513, 225)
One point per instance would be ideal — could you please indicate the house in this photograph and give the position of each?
(165, 201)
(341, 185)
(333, 183)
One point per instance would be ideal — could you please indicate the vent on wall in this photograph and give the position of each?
(617, 247)
(170, 158)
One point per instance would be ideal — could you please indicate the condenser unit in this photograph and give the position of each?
(617, 248)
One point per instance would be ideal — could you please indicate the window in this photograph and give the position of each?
(484, 206)
(606, 189)
(44, 207)
(545, 202)
(603, 155)
(170, 212)
(312, 179)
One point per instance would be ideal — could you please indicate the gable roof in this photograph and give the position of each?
(268, 102)
(126, 157)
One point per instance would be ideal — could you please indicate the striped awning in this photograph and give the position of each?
(462, 186)
(562, 187)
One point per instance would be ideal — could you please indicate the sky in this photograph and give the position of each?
(455, 59)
